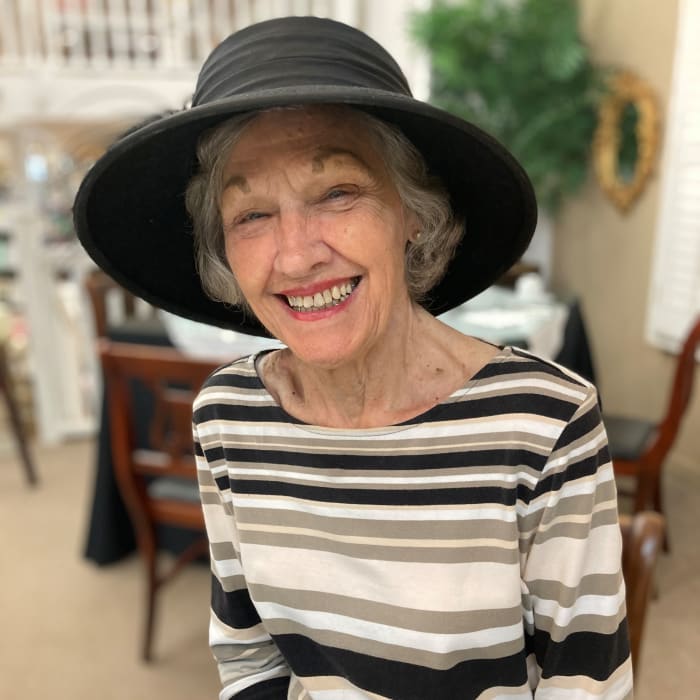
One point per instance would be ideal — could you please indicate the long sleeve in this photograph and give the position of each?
(573, 590)
(250, 665)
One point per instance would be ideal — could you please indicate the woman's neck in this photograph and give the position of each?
(400, 379)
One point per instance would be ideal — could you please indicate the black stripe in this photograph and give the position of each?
(588, 654)
(274, 689)
(237, 381)
(233, 608)
(526, 363)
(424, 497)
(537, 405)
(578, 470)
(398, 680)
(215, 453)
(502, 458)
(243, 413)
(580, 427)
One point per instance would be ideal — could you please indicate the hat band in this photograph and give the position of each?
(272, 60)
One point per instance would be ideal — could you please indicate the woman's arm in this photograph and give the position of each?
(250, 664)
(573, 590)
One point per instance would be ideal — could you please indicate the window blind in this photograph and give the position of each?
(675, 286)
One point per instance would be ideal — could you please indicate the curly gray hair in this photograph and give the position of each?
(425, 196)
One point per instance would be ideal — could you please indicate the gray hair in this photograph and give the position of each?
(422, 194)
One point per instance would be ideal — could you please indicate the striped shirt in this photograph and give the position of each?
(470, 552)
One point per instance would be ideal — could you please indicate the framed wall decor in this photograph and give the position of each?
(626, 140)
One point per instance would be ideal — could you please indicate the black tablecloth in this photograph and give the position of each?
(575, 352)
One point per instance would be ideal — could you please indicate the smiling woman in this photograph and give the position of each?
(421, 193)
(310, 207)
(395, 510)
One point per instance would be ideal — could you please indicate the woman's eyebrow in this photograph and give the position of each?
(237, 181)
(325, 153)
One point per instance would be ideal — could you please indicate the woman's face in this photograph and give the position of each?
(315, 234)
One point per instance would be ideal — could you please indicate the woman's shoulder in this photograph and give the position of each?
(523, 365)
(518, 382)
(236, 381)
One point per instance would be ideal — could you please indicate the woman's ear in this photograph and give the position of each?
(413, 227)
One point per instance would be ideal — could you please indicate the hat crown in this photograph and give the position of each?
(297, 51)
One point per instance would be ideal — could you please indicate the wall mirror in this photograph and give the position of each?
(626, 140)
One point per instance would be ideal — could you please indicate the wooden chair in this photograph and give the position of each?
(642, 537)
(156, 475)
(111, 303)
(639, 447)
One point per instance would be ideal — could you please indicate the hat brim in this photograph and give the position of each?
(130, 215)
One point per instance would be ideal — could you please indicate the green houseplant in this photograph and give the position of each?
(519, 70)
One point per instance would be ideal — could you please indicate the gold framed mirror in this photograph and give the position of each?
(626, 140)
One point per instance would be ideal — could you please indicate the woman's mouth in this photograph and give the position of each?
(323, 299)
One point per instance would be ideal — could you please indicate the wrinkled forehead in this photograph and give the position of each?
(318, 135)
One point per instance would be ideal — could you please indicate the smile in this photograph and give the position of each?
(325, 299)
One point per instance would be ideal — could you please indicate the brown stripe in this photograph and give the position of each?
(384, 551)
(434, 622)
(438, 529)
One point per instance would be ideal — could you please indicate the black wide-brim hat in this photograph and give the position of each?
(130, 214)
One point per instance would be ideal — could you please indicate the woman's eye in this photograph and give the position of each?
(337, 193)
(250, 216)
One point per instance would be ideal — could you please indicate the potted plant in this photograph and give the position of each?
(519, 70)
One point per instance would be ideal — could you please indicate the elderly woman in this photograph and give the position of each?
(395, 510)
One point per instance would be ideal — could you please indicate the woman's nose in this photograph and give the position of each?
(300, 245)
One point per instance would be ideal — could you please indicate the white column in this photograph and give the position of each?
(389, 23)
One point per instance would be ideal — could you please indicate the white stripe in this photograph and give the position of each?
(599, 553)
(598, 605)
(511, 423)
(527, 383)
(411, 639)
(618, 689)
(585, 486)
(230, 395)
(223, 568)
(425, 543)
(402, 512)
(221, 633)
(594, 444)
(369, 479)
(343, 692)
(459, 586)
(232, 689)
(510, 442)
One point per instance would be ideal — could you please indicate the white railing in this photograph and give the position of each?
(92, 66)
(137, 34)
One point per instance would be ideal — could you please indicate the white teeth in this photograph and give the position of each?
(322, 300)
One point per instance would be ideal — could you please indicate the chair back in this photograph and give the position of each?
(681, 390)
(111, 303)
(165, 383)
(642, 539)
